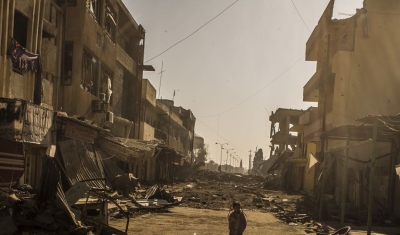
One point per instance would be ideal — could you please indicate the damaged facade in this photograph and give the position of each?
(354, 78)
(95, 83)
(289, 152)
(30, 69)
(71, 77)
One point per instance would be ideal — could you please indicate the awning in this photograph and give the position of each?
(127, 150)
(12, 162)
(82, 163)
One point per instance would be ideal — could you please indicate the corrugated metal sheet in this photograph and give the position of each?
(127, 150)
(81, 163)
(110, 167)
(12, 162)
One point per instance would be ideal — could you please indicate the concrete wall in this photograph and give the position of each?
(365, 81)
(12, 84)
(148, 93)
(146, 131)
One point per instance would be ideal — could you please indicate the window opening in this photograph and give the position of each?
(89, 73)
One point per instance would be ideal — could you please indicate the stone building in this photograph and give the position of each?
(356, 75)
(31, 36)
(103, 65)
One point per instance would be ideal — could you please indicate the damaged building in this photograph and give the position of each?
(71, 84)
(31, 35)
(352, 82)
(346, 149)
(289, 152)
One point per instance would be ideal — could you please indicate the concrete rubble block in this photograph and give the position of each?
(257, 200)
(7, 225)
(76, 192)
(126, 184)
(122, 181)
(194, 199)
(274, 209)
(189, 186)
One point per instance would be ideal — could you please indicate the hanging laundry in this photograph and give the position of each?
(22, 58)
(25, 60)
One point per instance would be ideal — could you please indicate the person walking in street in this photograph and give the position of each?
(237, 220)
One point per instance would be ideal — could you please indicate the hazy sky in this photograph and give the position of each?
(234, 71)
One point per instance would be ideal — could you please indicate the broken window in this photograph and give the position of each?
(109, 22)
(93, 7)
(106, 85)
(20, 33)
(20, 28)
(68, 59)
(89, 73)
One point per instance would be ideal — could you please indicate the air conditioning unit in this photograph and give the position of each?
(109, 117)
(98, 106)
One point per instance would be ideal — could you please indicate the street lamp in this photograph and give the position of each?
(230, 162)
(226, 167)
(220, 161)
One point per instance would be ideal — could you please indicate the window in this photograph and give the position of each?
(20, 28)
(109, 22)
(93, 7)
(68, 59)
(89, 73)
(106, 85)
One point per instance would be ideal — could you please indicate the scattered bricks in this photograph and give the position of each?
(257, 200)
(266, 201)
(193, 199)
(274, 209)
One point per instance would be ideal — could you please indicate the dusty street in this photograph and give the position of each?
(183, 220)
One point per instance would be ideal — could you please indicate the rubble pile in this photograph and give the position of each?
(22, 212)
(46, 212)
(207, 175)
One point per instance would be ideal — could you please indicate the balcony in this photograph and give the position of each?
(147, 132)
(311, 89)
(158, 134)
(173, 116)
(125, 60)
(175, 144)
(148, 94)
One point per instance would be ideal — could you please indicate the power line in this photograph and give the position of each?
(169, 48)
(220, 135)
(251, 96)
(300, 16)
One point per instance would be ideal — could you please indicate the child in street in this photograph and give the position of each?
(237, 220)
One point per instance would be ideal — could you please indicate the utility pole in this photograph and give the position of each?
(220, 161)
(249, 161)
(161, 73)
(226, 166)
